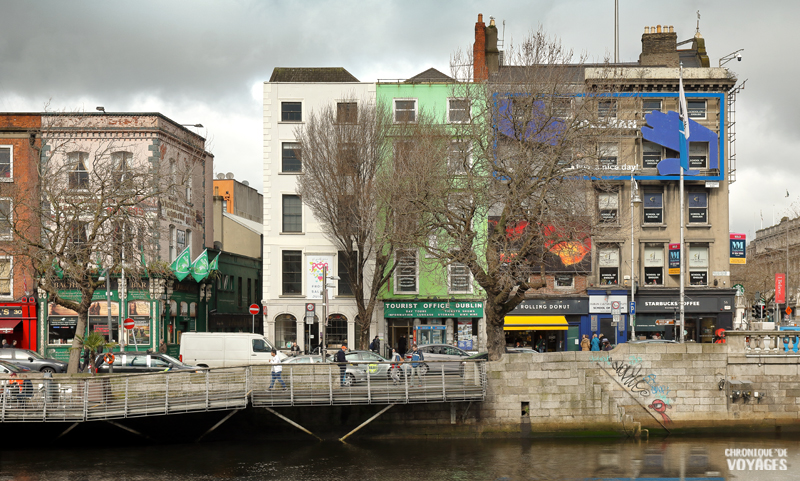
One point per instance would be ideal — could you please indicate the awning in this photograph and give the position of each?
(535, 323)
(7, 325)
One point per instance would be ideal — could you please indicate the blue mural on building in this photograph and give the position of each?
(664, 129)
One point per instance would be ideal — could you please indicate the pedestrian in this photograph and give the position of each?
(607, 345)
(416, 355)
(295, 349)
(585, 343)
(162, 347)
(394, 370)
(277, 370)
(375, 345)
(595, 342)
(5, 344)
(341, 358)
(540, 344)
(401, 345)
(603, 338)
(14, 343)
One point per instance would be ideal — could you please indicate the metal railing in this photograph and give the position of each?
(63, 398)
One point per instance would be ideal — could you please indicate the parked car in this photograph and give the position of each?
(8, 367)
(225, 349)
(128, 362)
(440, 352)
(32, 360)
(363, 362)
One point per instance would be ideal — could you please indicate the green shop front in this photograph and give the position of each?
(160, 309)
(433, 322)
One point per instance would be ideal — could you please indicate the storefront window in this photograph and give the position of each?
(61, 330)
(336, 332)
(139, 311)
(285, 330)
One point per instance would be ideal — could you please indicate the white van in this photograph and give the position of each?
(225, 349)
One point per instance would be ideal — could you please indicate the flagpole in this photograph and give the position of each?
(683, 152)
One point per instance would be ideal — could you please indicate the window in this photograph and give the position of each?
(346, 113)
(405, 273)
(697, 109)
(654, 264)
(458, 111)
(653, 207)
(344, 283)
(347, 159)
(78, 176)
(6, 219)
(285, 331)
(405, 110)
(173, 236)
(336, 332)
(698, 207)
(292, 273)
(459, 157)
(6, 161)
(401, 152)
(607, 108)
(5, 276)
(290, 157)
(608, 207)
(433, 244)
(180, 241)
(564, 280)
(698, 265)
(607, 154)
(609, 265)
(189, 189)
(460, 278)
(698, 155)
(651, 155)
(292, 213)
(291, 111)
(649, 106)
(121, 162)
(562, 107)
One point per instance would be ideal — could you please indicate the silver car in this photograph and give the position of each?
(362, 362)
(440, 352)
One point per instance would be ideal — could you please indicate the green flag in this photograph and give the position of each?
(214, 266)
(57, 269)
(182, 264)
(200, 266)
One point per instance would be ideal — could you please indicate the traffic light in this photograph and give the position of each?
(762, 311)
(754, 311)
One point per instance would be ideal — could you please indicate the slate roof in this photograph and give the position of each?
(430, 75)
(313, 74)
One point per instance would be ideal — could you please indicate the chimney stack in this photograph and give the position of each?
(659, 47)
(479, 68)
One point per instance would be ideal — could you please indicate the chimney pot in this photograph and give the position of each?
(658, 28)
(646, 29)
(480, 17)
(671, 30)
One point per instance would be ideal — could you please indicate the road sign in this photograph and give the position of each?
(632, 310)
(128, 323)
(254, 309)
(310, 307)
(789, 311)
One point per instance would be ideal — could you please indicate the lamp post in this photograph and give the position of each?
(635, 199)
(324, 323)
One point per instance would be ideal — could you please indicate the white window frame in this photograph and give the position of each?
(654, 263)
(646, 111)
(698, 265)
(10, 295)
(283, 214)
(690, 209)
(291, 101)
(395, 110)
(450, 275)
(605, 205)
(451, 110)
(398, 275)
(693, 112)
(608, 258)
(287, 146)
(74, 169)
(663, 214)
(10, 234)
(10, 177)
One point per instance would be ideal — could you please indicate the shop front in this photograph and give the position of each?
(553, 324)
(432, 322)
(18, 323)
(608, 315)
(704, 311)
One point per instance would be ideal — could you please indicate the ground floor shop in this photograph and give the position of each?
(705, 312)
(547, 325)
(403, 323)
(299, 321)
(18, 323)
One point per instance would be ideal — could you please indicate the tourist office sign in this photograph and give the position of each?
(435, 309)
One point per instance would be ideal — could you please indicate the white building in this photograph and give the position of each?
(295, 248)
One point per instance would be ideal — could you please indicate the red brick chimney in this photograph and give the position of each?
(479, 69)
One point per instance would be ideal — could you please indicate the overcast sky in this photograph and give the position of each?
(205, 61)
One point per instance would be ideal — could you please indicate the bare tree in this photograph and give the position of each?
(94, 206)
(515, 196)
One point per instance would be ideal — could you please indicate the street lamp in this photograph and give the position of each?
(324, 325)
(635, 199)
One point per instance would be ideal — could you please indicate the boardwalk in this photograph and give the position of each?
(106, 397)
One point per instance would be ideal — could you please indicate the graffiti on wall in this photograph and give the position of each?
(632, 376)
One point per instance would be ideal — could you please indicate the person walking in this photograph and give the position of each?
(162, 347)
(394, 369)
(540, 344)
(375, 345)
(277, 370)
(341, 358)
(586, 344)
(416, 356)
(595, 343)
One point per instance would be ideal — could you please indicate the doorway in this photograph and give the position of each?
(399, 336)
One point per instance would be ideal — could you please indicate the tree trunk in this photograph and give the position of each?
(77, 343)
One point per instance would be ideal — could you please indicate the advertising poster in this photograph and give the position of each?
(738, 249)
(674, 259)
(315, 266)
(465, 335)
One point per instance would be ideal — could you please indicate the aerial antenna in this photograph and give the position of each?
(698, 22)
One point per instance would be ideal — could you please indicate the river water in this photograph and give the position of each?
(463, 459)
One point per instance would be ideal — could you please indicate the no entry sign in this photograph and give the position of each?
(128, 323)
(254, 309)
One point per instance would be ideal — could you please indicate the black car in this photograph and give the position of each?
(32, 360)
(128, 362)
